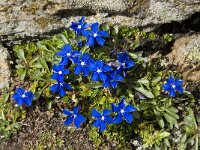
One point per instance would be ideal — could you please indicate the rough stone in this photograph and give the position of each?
(186, 54)
(19, 18)
(4, 68)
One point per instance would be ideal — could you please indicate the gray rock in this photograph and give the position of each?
(186, 54)
(4, 68)
(20, 18)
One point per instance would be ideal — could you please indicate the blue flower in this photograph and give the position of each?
(95, 35)
(67, 54)
(75, 117)
(82, 64)
(78, 27)
(59, 72)
(99, 69)
(125, 62)
(23, 97)
(112, 79)
(172, 86)
(123, 111)
(102, 119)
(60, 87)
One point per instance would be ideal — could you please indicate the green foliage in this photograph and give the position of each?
(9, 115)
(191, 131)
(157, 114)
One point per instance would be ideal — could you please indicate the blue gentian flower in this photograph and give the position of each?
(75, 117)
(95, 35)
(99, 69)
(80, 43)
(67, 54)
(59, 72)
(172, 86)
(78, 27)
(112, 79)
(82, 64)
(23, 97)
(102, 119)
(123, 111)
(125, 63)
(60, 87)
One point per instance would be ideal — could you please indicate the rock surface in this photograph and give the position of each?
(186, 54)
(19, 18)
(4, 68)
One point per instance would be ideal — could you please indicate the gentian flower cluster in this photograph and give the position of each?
(122, 110)
(84, 64)
(75, 117)
(23, 97)
(172, 86)
(102, 119)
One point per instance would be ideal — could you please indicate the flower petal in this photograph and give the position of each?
(77, 123)
(95, 113)
(179, 89)
(85, 71)
(114, 84)
(75, 110)
(172, 92)
(115, 108)
(20, 101)
(95, 27)
(77, 69)
(61, 92)
(68, 121)
(130, 108)
(28, 101)
(102, 126)
(86, 33)
(109, 119)
(96, 123)
(128, 117)
(166, 87)
(106, 112)
(121, 103)
(54, 88)
(85, 56)
(20, 91)
(106, 68)
(66, 112)
(81, 118)
(103, 33)
(95, 76)
(100, 41)
(90, 41)
(130, 64)
(119, 78)
(102, 76)
(118, 118)
(178, 82)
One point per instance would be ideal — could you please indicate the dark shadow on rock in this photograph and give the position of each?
(74, 12)
(189, 25)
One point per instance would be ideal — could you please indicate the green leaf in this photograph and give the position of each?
(170, 119)
(22, 74)
(166, 141)
(64, 38)
(141, 89)
(93, 85)
(41, 46)
(143, 81)
(156, 79)
(188, 94)
(44, 64)
(20, 54)
(159, 119)
(145, 106)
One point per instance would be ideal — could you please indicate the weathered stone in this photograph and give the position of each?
(19, 18)
(4, 68)
(186, 54)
